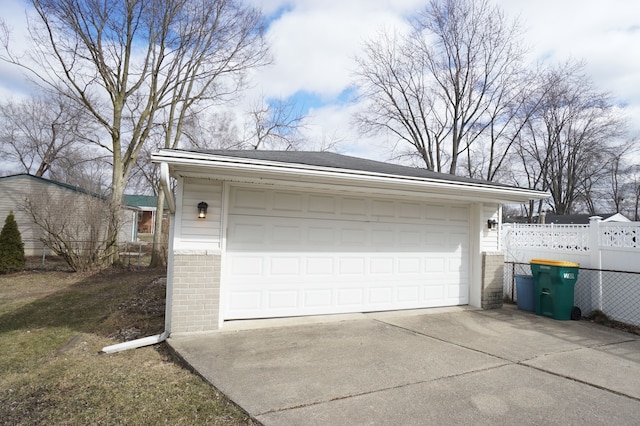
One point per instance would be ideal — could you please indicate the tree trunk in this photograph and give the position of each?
(112, 254)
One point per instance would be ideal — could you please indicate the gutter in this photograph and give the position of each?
(134, 344)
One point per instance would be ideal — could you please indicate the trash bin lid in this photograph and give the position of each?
(555, 263)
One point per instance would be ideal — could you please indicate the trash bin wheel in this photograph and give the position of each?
(576, 313)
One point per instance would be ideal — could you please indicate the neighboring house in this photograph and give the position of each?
(145, 207)
(16, 189)
(311, 233)
(581, 219)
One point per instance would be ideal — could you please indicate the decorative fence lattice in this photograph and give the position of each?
(621, 235)
(548, 237)
(615, 293)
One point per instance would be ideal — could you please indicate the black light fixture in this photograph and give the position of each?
(202, 210)
(492, 224)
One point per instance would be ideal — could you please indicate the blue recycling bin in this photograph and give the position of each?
(525, 292)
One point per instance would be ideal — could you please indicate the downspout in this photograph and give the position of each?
(134, 344)
(157, 338)
(166, 187)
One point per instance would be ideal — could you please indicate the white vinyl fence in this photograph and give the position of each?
(608, 254)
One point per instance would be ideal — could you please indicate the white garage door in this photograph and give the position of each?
(292, 254)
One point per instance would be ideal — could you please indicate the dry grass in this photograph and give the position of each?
(52, 327)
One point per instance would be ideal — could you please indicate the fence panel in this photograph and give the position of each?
(133, 253)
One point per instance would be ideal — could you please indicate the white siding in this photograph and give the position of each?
(13, 191)
(195, 233)
(490, 239)
(66, 204)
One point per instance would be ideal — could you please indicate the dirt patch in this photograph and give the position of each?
(599, 317)
(53, 326)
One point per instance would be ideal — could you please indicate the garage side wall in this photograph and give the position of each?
(195, 286)
(196, 292)
(492, 259)
(492, 280)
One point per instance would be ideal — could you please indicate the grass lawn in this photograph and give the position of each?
(53, 325)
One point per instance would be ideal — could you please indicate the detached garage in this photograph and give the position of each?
(311, 233)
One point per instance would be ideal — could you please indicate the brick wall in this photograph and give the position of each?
(196, 292)
(492, 280)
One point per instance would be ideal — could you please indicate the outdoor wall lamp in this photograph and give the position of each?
(202, 210)
(492, 224)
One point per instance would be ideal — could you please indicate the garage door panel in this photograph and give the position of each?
(350, 297)
(435, 264)
(353, 206)
(351, 236)
(321, 204)
(383, 209)
(249, 234)
(287, 202)
(284, 234)
(382, 265)
(380, 295)
(280, 263)
(252, 199)
(433, 293)
(408, 293)
(351, 265)
(411, 211)
(410, 239)
(242, 265)
(282, 299)
(321, 236)
(321, 267)
(285, 265)
(246, 301)
(409, 265)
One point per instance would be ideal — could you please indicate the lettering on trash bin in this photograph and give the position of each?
(569, 276)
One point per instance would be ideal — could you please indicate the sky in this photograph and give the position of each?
(314, 43)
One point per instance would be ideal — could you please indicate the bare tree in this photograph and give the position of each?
(571, 138)
(134, 63)
(40, 132)
(454, 78)
(273, 124)
(74, 225)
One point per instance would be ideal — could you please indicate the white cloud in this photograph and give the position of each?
(314, 44)
(13, 81)
(604, 34)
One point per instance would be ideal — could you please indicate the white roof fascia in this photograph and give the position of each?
(234, 166)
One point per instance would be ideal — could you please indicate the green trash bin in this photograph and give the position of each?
(554, 288)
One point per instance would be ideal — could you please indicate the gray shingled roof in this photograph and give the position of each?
(344, 162)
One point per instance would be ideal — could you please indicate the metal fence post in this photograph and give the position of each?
(513, 281)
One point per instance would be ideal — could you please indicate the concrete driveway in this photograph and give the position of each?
(440, 366)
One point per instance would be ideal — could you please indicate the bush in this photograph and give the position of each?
(11, 247)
